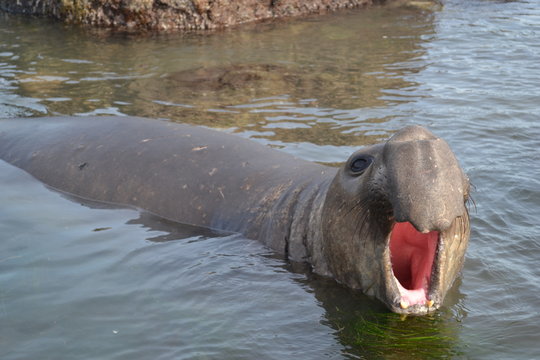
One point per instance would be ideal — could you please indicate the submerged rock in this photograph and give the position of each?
(174, 14)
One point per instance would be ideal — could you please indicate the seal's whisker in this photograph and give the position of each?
(361, 220)
(356, 205)
(470, 200)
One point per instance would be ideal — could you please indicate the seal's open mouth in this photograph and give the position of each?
(412, 255)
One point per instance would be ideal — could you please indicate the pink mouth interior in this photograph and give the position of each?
(412, 254)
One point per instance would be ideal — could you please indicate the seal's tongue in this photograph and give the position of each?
(412, 254)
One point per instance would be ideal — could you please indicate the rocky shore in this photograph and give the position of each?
(164, 15)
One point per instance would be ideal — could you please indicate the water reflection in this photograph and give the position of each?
(168, 230)
(280, 83)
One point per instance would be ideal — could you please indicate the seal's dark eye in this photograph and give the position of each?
(360, 163)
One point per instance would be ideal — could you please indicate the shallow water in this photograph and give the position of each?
(95, 282)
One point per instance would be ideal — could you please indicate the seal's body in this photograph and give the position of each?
(391, 221)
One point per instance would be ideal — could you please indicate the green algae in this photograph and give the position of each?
(393, 336)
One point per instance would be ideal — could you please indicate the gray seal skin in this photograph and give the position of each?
(391, 221)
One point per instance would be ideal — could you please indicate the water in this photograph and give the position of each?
(95, 282)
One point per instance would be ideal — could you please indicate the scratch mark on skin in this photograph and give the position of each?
(199, 148)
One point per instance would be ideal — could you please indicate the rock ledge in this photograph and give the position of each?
(163, 15)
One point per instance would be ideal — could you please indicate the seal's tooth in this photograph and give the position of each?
(404, 304)
(430, 303)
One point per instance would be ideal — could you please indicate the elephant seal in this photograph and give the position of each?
(391, 221)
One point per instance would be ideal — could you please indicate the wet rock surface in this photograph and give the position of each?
(163, 15)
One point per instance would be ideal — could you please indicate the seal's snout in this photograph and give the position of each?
(426, 184)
